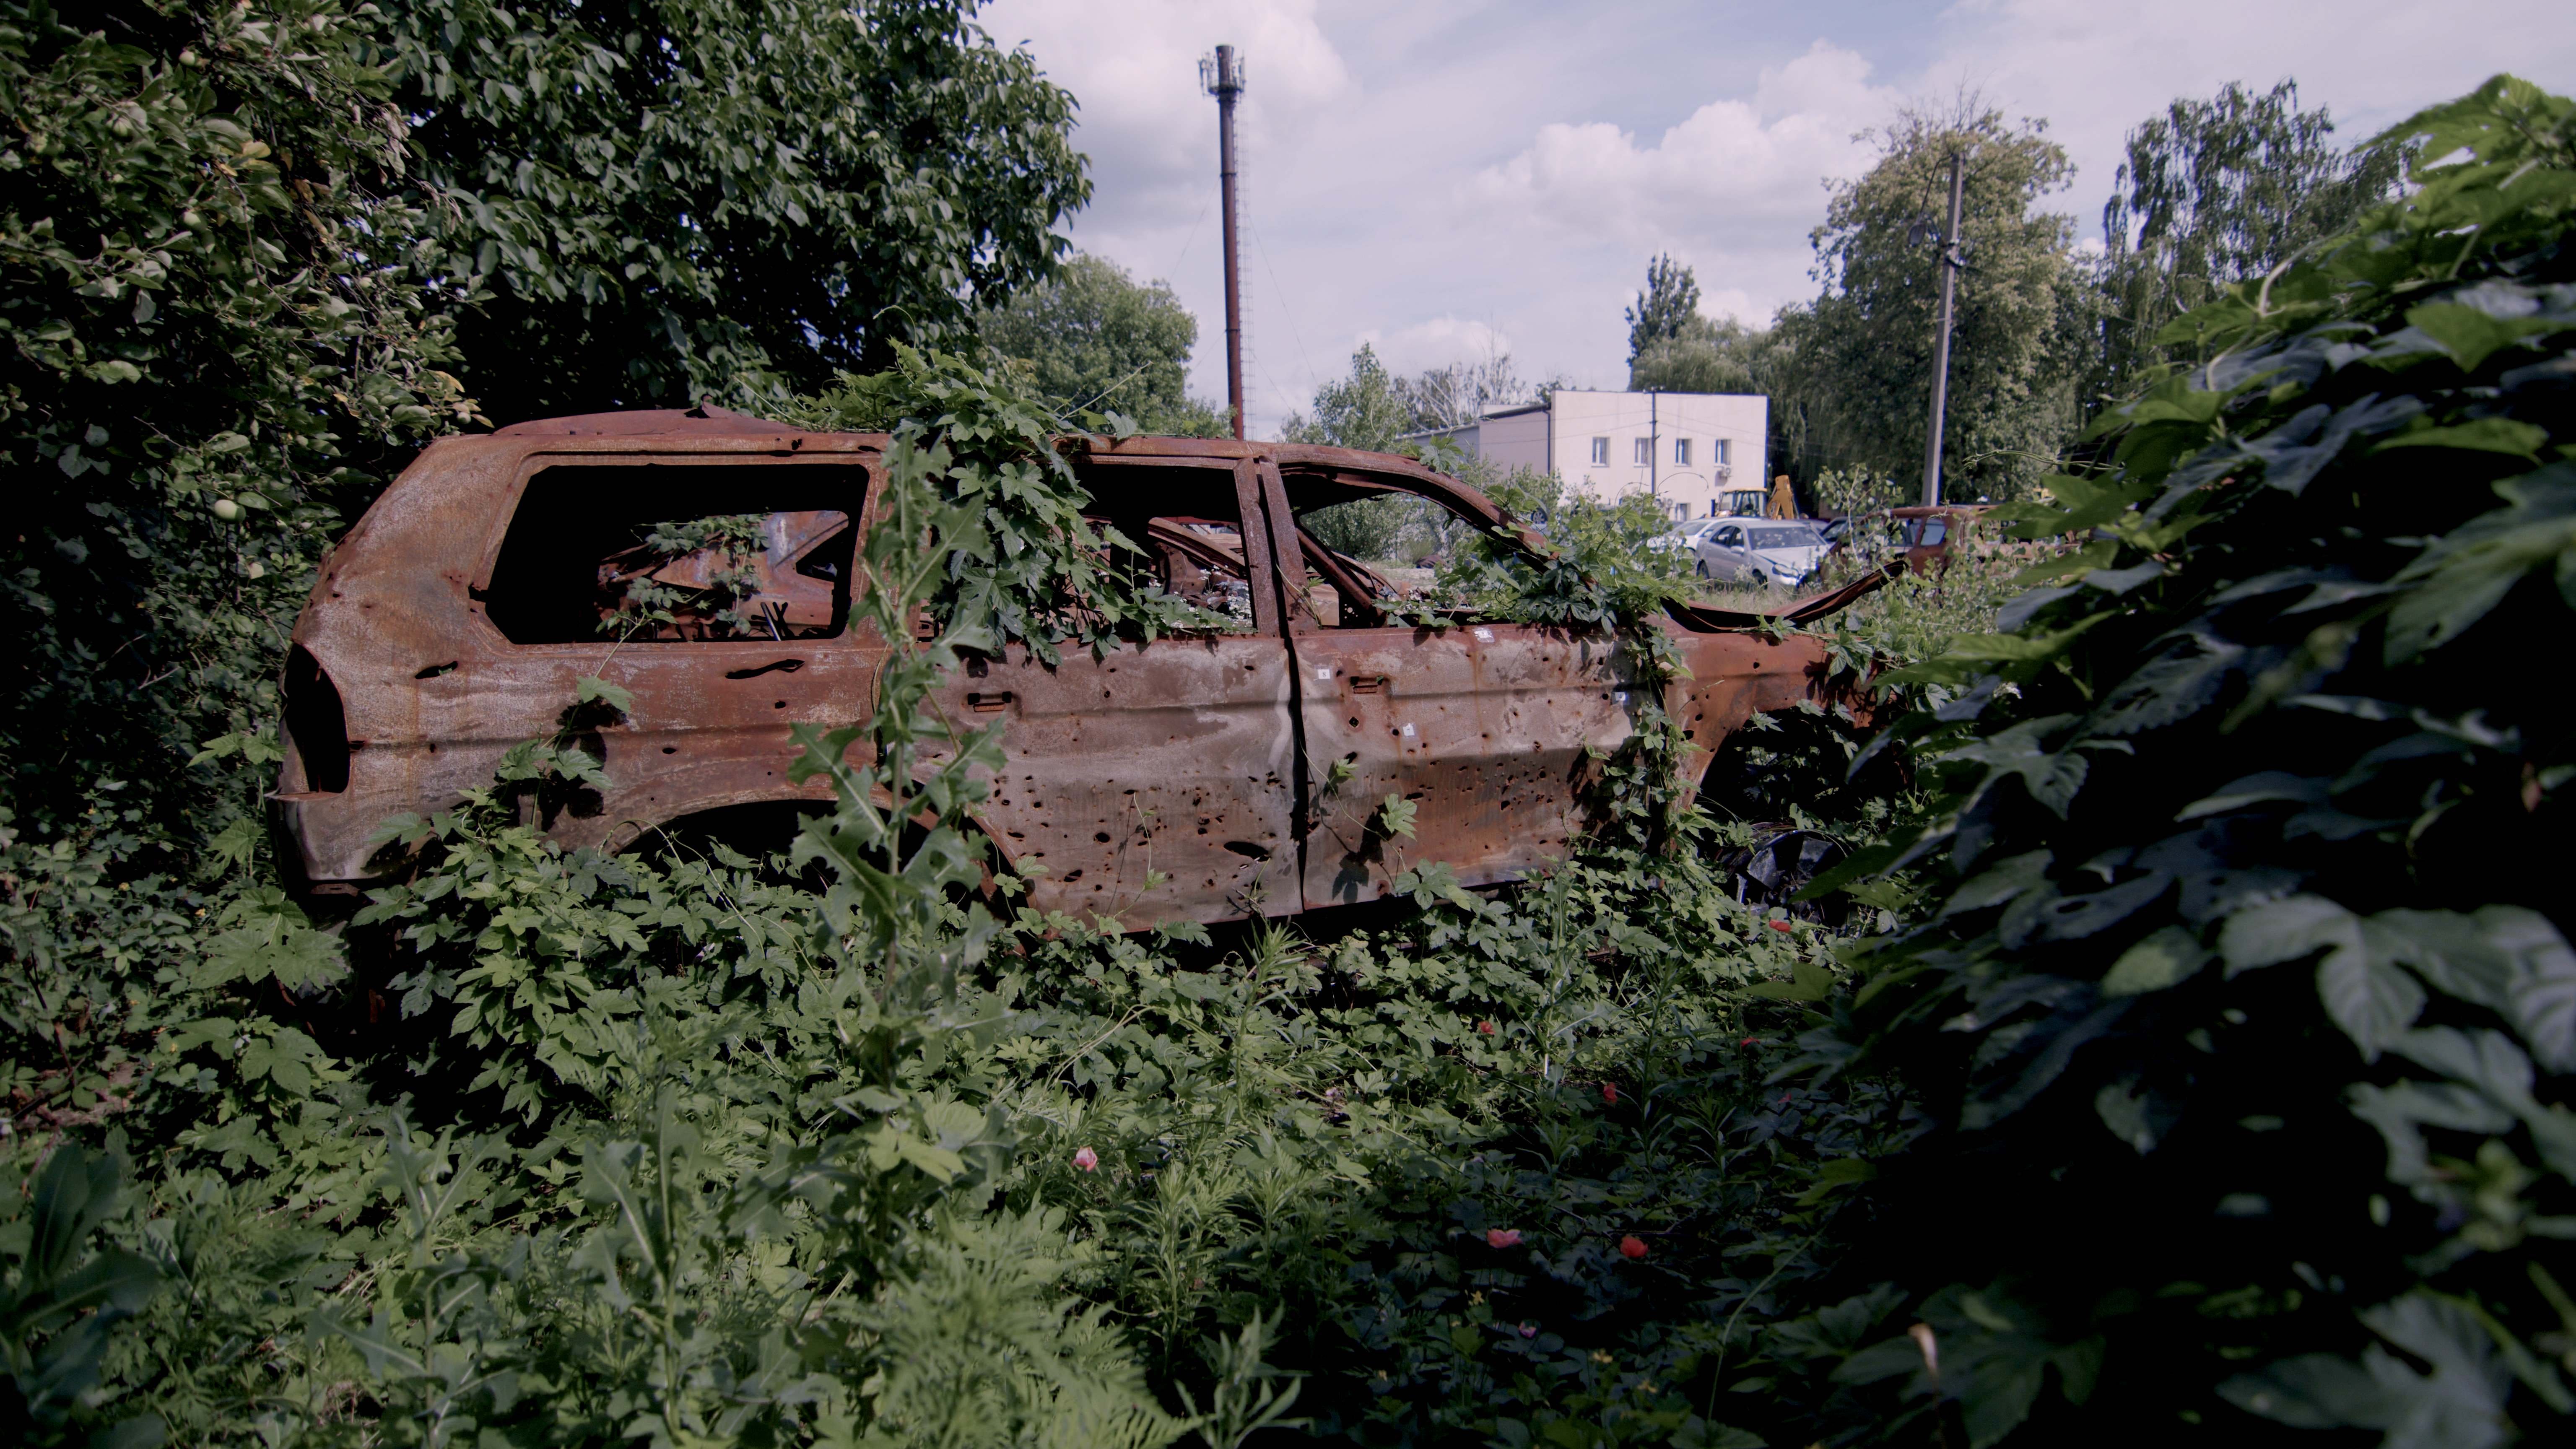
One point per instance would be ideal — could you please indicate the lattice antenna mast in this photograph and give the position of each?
(1222, 75)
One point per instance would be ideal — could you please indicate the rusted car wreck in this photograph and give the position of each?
(1205, 778)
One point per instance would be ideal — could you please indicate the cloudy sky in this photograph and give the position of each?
(1443, 178)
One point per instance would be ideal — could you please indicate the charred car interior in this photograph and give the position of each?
(703, 563)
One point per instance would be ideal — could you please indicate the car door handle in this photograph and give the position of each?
(775, 666)
(1373, 684)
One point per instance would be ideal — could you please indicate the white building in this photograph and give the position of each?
(1688, 449)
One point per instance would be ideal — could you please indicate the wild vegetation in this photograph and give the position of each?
(2057, 1116)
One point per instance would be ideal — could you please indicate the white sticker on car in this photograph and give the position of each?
(1408, 732)
(1323, 674)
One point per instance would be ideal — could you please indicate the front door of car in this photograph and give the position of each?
(1157, 783)
(1475, 731)
(1727, 556)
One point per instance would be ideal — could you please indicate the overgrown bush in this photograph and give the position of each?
(218, 328)
(2236, 997)
(843, 1148)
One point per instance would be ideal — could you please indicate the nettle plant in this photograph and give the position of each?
(2238, 996)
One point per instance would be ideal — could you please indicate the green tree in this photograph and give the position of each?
(1093, 337)
(1669, 303)
(1706, 355)
(668, 200)
(2211, 193)
(218, 326)
(1861, 365)
(1363, 410)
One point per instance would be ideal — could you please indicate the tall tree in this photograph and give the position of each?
(670, 199)
(2214, 192)
(215, 325)
(1460, 392)
(1359, 411)
(1863, 350)
(1668, 304)
(1705, 355)
(1094, 337)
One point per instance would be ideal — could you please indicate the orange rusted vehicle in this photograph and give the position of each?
(1206, 777)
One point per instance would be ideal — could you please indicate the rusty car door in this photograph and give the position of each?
(711, 710)
(1156, 783)
(1480, 726)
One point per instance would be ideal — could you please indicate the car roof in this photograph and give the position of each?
(1315, 475)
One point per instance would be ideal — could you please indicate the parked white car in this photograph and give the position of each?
(1684, 536)
(1779, 551)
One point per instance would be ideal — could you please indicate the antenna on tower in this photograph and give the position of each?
(1222, 75)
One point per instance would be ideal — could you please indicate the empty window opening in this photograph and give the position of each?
(643, 554)
(1181, 528)
(1367, 541)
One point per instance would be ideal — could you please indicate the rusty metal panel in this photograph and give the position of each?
(1152, 785)
(1734, 676)
(433, 694)
(1481, 727)
(1157, 783)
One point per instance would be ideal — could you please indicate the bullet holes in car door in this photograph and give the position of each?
(1155, 781)
(1477, 724)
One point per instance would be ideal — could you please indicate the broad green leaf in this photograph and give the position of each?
(2166, 958)
(2484, 435)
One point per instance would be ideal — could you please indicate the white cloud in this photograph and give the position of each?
(1429, 174)
(1738, 171)
(1146, 122)
(1434, 342)
(2095, 71)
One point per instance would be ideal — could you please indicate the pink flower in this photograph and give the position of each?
(1503, 1237)
(1529, 1330)
(1086, 1159)
(1780, 925)
(1610, 1093)
(1632, 1246)
(1484, 1028)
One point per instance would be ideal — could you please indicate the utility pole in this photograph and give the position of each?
(1654, 449)
(1222, 75)
(1951, 261)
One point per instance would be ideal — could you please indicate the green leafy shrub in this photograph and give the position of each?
(2237, 1000)
(219, 329)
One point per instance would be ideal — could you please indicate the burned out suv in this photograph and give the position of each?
(1204, 777)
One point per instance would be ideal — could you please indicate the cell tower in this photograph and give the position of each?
(1222, 75)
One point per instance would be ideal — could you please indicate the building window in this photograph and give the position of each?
(1645, 452)
(1722, 459)
(1601, 452)
(1681, 452)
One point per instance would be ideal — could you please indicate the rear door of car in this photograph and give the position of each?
(1476, 730)
(592, 571)
(1159, 782)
